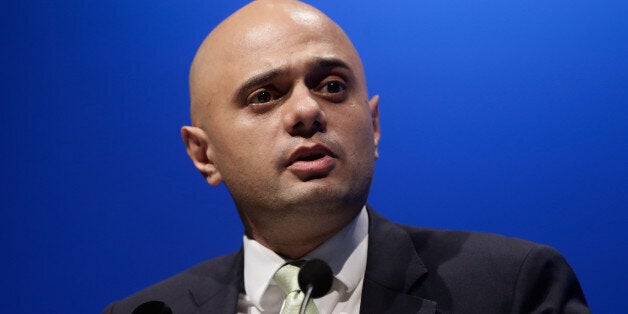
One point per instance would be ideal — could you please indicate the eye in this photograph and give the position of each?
(261, 97)
(333, 87)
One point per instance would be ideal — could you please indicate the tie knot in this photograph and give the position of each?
(287, 277)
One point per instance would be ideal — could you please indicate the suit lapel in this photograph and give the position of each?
(217, 287)
(393, 270)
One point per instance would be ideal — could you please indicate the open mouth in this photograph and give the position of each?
(311, 162)
(310, 157)
(306, 154)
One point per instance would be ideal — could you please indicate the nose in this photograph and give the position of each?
(303, 115)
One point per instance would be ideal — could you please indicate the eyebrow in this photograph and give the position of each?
(259, 79)
(331, 63)
(264, 77)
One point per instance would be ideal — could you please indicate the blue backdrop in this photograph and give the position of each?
(499, 116)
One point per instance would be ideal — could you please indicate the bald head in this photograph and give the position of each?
(281, 115)
(257, 30)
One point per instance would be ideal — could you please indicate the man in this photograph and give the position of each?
(281, 115)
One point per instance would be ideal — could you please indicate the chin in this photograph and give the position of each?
(322, 197)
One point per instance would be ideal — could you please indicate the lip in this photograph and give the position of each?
(311, 162)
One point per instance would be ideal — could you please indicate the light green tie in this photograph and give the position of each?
(287, 277)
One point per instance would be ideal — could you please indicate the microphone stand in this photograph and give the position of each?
(315, 278)
(308, 294)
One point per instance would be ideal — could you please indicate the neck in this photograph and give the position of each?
(294, 236)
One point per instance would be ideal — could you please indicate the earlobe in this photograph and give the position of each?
(374, 106)
(212, 175)
(197, 145)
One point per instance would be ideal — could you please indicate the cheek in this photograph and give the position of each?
(357, 129)
(240, 133)
(243, 149)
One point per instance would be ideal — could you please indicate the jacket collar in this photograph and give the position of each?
(217, 284)
(393, 271)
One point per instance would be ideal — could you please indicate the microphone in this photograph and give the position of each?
(315, 278)
(152, 307)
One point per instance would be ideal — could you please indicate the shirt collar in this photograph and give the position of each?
(347, 247)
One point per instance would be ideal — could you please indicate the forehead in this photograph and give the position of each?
(262, 40)
(284, 43)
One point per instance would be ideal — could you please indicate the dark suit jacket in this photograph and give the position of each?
(409, 270)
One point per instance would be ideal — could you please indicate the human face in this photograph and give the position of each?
(288, 121)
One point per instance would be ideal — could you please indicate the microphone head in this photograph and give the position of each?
(315, 273)
(153, 307)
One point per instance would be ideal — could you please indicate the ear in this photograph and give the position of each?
(197, 144)
(374, 106)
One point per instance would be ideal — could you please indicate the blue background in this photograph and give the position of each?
(499, 116)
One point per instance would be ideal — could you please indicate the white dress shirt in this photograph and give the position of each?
(345, 253)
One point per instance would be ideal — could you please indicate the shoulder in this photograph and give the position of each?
(184, 289)
(438, 244)
(513, 274)
(450, 247)
(480, 255)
